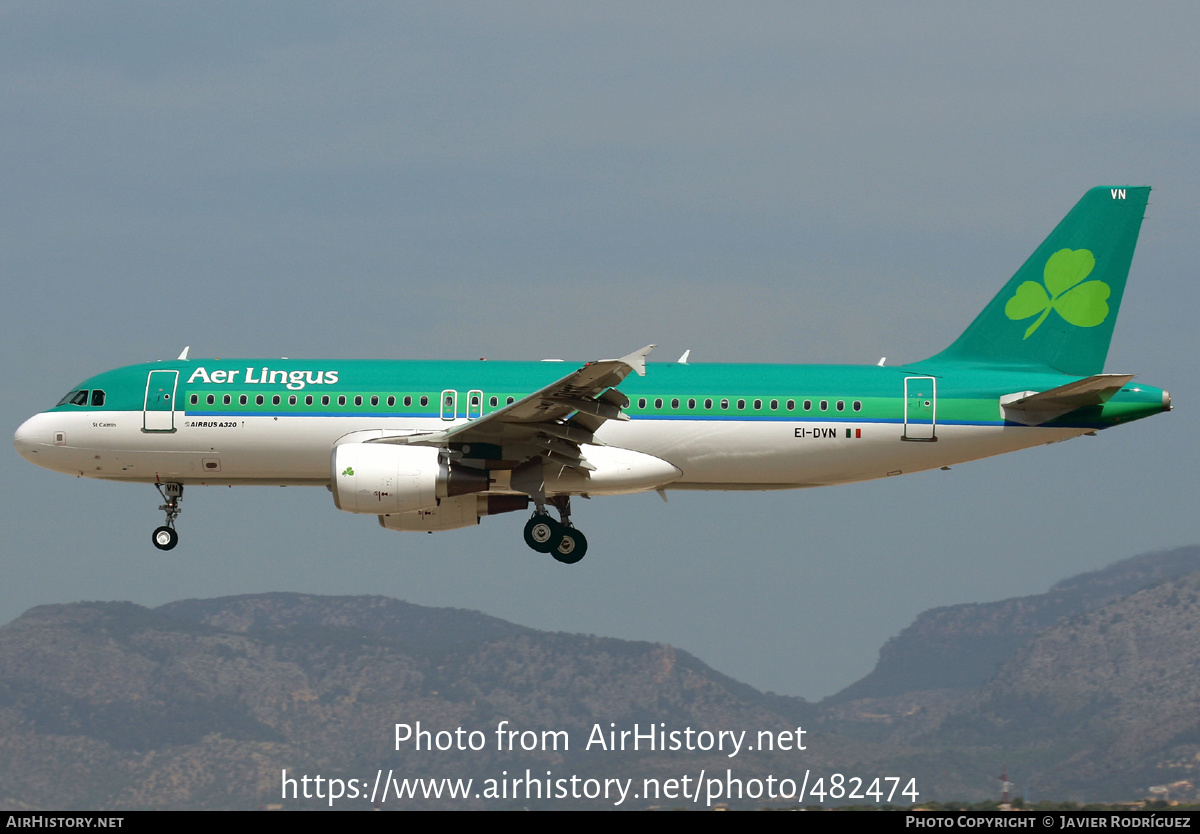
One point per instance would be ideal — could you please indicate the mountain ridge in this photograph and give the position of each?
(1087, 691)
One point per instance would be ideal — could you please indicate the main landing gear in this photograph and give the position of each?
(558, 538)
(165, 537)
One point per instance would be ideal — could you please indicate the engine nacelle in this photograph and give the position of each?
(615, 471)
(380, 478)
(452, 513)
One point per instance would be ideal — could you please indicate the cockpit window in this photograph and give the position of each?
(97, 398)
(75, 398)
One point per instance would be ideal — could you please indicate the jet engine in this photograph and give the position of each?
(381, 478)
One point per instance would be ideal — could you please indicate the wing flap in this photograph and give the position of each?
(552, 422)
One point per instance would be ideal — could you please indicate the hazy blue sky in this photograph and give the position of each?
(792, 182)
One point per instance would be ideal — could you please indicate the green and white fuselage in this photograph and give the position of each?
(721, 426)
(439, 445)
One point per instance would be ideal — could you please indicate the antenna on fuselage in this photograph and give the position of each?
(183, 356)
(882, 359)
(683, 359)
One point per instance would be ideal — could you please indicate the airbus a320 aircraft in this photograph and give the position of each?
(428, 446)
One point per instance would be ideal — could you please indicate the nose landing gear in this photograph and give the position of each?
(165, 537)
(558, 538)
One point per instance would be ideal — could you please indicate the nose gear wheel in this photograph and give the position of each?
(165, 537)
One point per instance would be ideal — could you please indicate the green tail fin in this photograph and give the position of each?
(1058, 311)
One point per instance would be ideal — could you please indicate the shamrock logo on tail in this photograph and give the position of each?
(1081, 303)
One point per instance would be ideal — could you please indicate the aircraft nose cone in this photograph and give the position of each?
(30, 437)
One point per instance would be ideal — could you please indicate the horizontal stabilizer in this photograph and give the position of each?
(1033, 408)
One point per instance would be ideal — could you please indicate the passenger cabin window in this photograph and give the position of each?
(227, 399)
(424, 400)
(292, 399)
(275, 400)
(391, 401)
(243, 399)
(741, 404)
(808, 405)
(641, 402)
(494, 401)
(757, 405)
(857, 405)
(774, 404)
(824, 405)
(708, 403)
(691, 403)
(341, 399)
(325, 399)
(210, 399)
(308, 400)
(658, 403)
(97, 398)
(724, 403)
(791, 405)
(195, 399)
(358, 400)
(509, 401)
(408, 400)
(374, 400)
(259, 400)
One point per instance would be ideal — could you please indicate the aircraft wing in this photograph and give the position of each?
(1034, 408)
(552, 422)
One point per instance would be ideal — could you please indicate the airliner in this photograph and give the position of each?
(432, 446)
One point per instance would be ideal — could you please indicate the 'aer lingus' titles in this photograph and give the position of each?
(294, 380)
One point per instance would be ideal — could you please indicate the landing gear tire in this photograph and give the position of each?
(165, 538)
(542, 533)
(571, 547)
